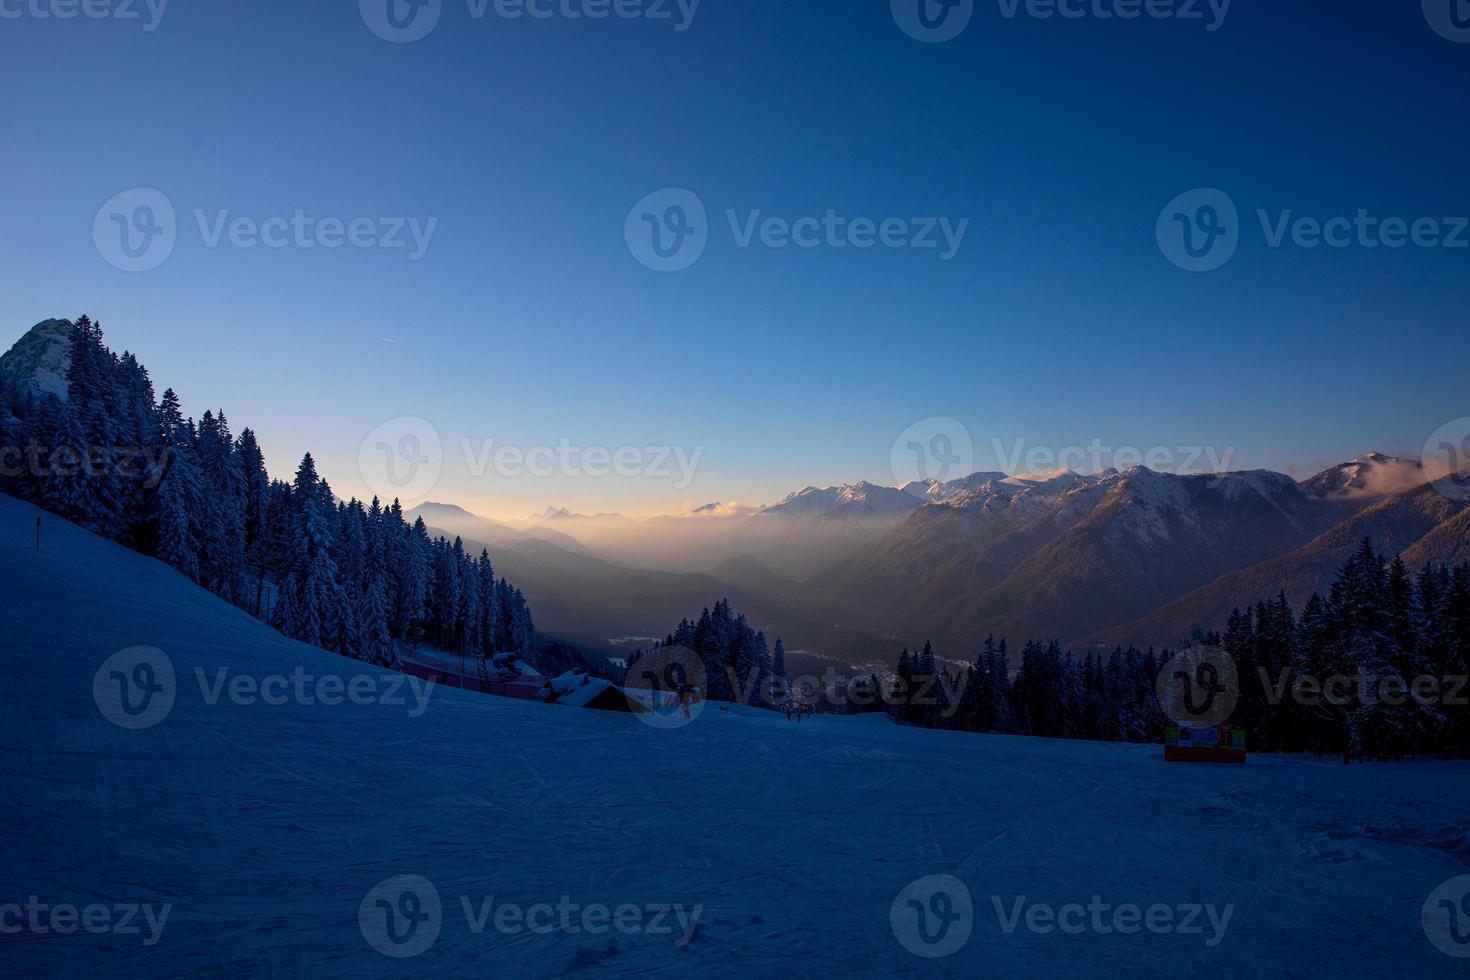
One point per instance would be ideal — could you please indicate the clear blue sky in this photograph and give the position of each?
(528, 320)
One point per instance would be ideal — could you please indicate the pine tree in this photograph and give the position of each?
(316, 592)
(89, 494)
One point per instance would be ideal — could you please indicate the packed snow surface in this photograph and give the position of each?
(268, 829)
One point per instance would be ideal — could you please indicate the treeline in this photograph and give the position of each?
(1051, 695)
(739, 665)
(1376, 669)
(353, 578)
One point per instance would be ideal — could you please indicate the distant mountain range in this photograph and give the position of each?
(1131, 556)
(1135, 555)
(1422, 525)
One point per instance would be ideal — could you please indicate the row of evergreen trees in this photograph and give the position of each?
(1377, 622)
(738, 664)
(1052, 694)
(353, 578)
(1377, 625)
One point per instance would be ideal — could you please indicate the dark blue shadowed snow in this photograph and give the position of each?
(265, 828)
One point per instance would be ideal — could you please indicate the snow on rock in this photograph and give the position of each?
(863, 496)
(1370, 475)
(1052, 480)
(266, 826)
(41, 359)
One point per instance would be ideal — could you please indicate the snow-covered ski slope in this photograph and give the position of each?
(266, 828)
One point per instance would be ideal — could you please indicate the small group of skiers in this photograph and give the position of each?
(798, 710)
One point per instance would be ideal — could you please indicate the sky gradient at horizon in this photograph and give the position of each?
(527, 321)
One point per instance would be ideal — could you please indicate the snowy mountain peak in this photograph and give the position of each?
(1150, 495)
(41, 359)
(1058, 479)
(1371, 474)
(861, 496)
